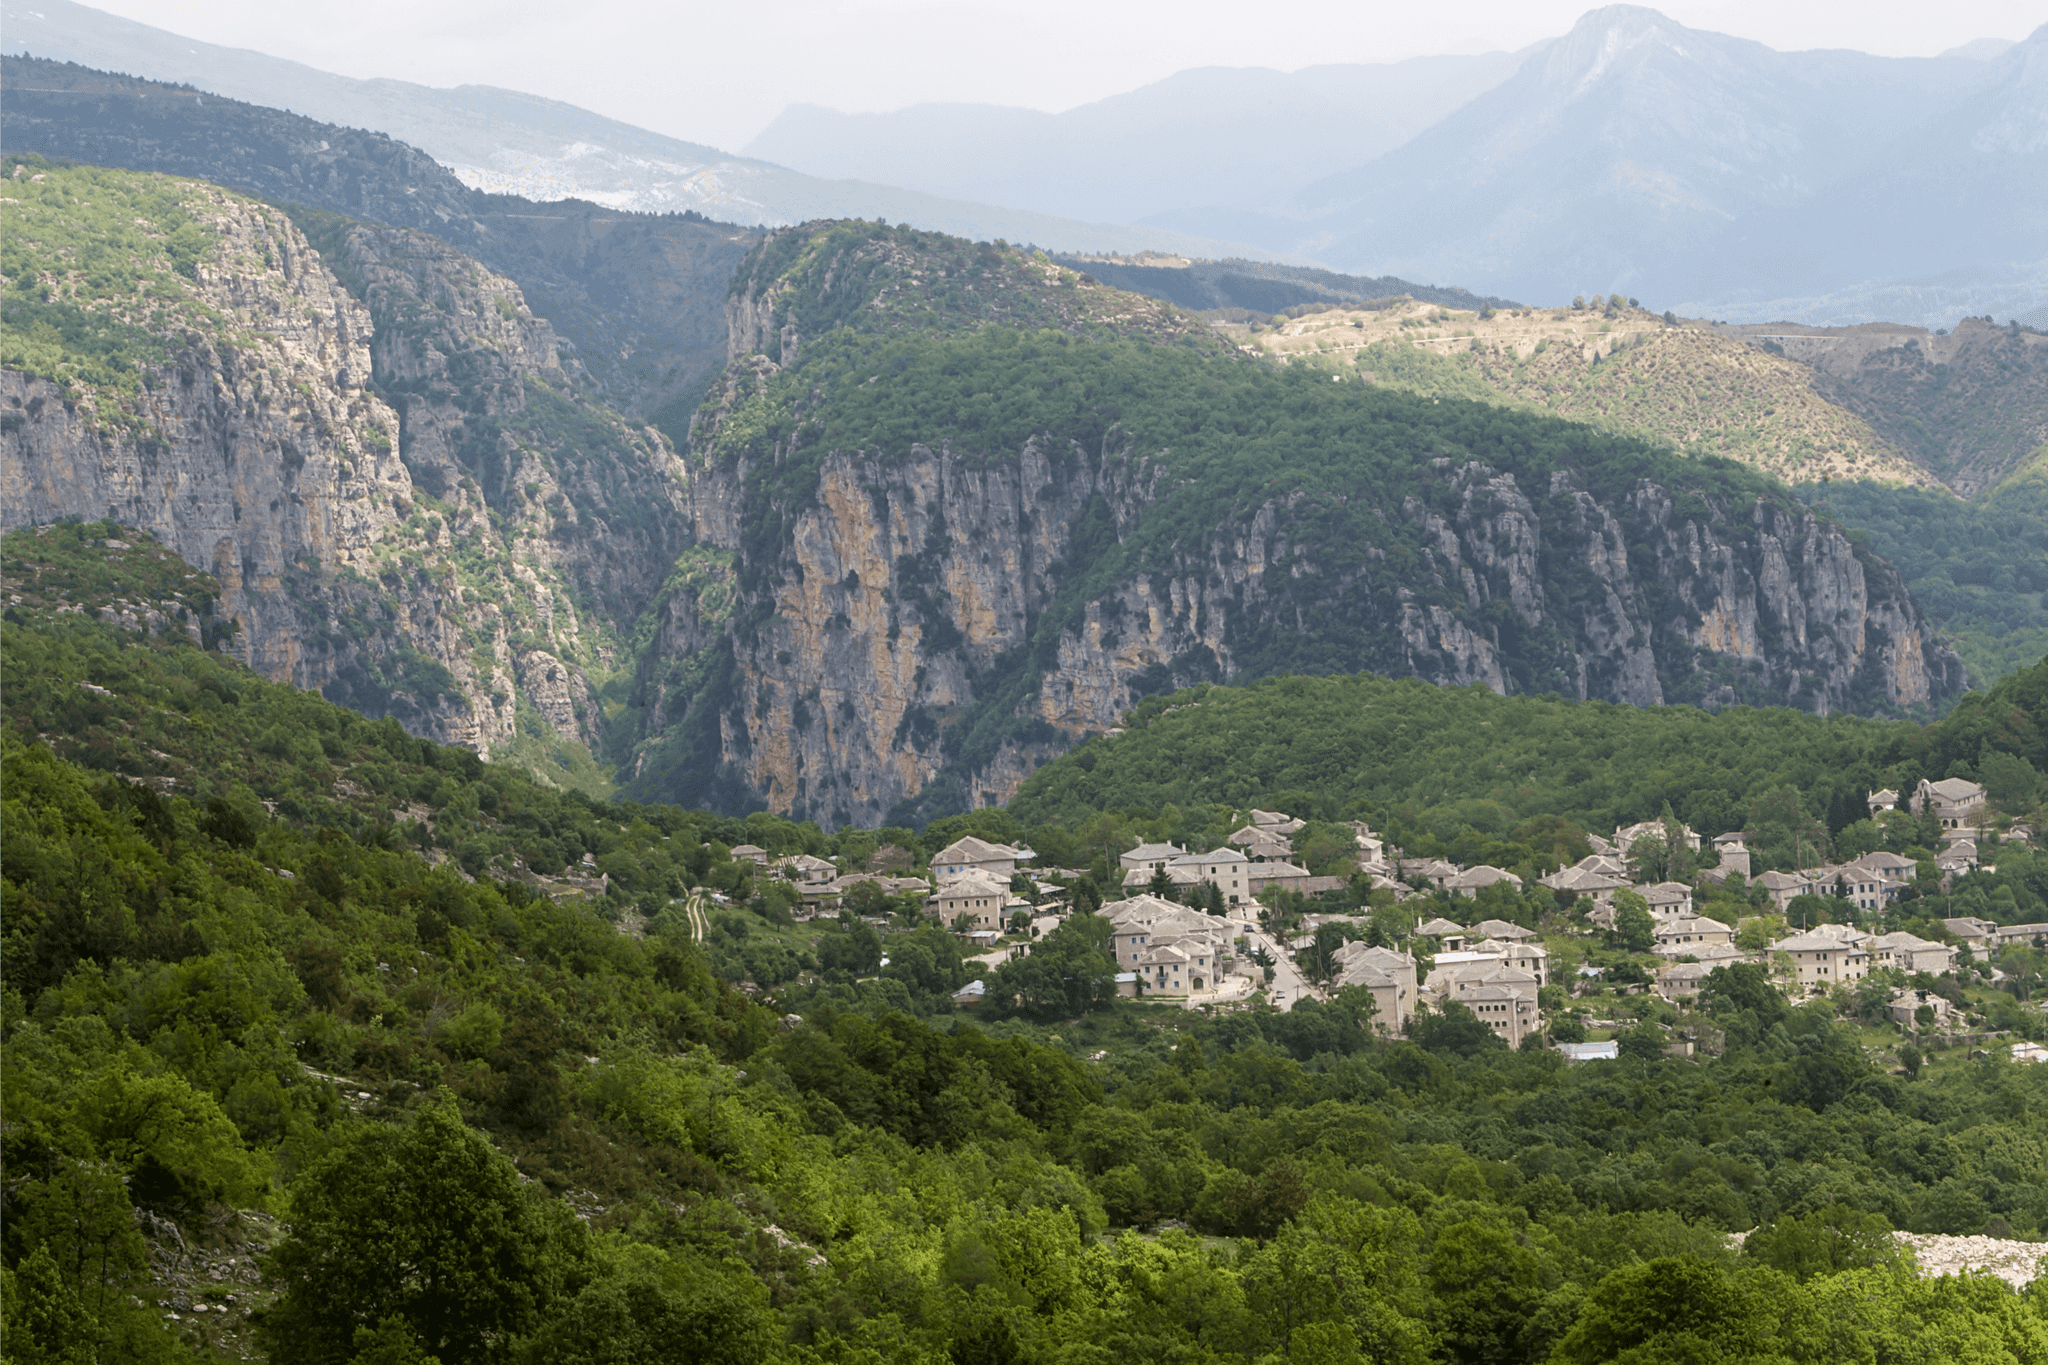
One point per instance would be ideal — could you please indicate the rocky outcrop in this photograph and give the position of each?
(640, 294)
(480, 538)
(906, 651)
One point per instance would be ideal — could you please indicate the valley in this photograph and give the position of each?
(594, 785)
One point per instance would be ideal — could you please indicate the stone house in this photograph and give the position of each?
(1504, 931)
(1226, 868)
(1956, 801)
(981, 895)
(1734, 854)
(1909, 953)
(1388, 975)
(749, 853)
(1882, 801)
(1435, 871)
(1183, 966)
(1595, 878)
(806, 870)
(1262, 845)
(1971, 932)
(1473, 880)
(1450, 937)
(1259, 876)
(1782, 887)
(1140, 923)
(1683, 937)
(1501, 1009)
(1667, 900)
(1682, 980)
(1820, 960)
(1624, 839)
(1277, 822)
(1150, 857)
(969, 854)
(1907, 1004)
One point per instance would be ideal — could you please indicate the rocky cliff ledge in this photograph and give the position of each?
(895, 656)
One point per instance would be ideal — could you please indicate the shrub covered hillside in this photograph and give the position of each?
(1327, 744)
(300, 1064)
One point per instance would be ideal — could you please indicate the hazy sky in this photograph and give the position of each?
(718, 73)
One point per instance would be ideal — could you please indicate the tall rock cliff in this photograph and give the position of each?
(182, 360)
(921, 614)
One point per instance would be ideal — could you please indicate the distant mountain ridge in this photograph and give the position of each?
(640, 296)
(508, 142)
(1210, 136)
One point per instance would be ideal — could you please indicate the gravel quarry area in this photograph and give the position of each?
(2017, 1263)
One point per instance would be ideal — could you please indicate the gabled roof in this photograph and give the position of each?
(1693, 924)
(968, 849)
(1438, 927)
(1152, 853)
(1214, 855)
(1583, 879)
(974, 882)
(1813, 943)
(1501, 929)
(1955, 788)
(1483, 875)
(1275, 871)
(1882, 861)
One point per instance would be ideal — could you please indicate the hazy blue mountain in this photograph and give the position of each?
(1216, 136)
(1638, 155)
(507, 142)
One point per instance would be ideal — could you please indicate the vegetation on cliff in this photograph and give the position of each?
(1979, 569)
(1316, 512)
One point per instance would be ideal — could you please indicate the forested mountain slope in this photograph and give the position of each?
(410, 492)
(1979, 569)
(256, 1008)
(639, 295)
(1467, 756)
(958, 550)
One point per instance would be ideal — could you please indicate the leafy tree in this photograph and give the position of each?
(1070, 971)
(1676, 1308)
(1634, 927)
(1454, 1029)
(650, 1307)
(426, 1223)
(1824, 1242)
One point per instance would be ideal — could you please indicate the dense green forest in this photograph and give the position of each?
(1467, 755)
(289, 1032)
(1979, 569)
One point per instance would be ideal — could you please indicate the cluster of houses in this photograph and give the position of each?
(1192, 952)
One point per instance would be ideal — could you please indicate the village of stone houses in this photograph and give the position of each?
(1601, 959)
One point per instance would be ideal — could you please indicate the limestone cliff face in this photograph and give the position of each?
(436, 561)
(896, 656)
